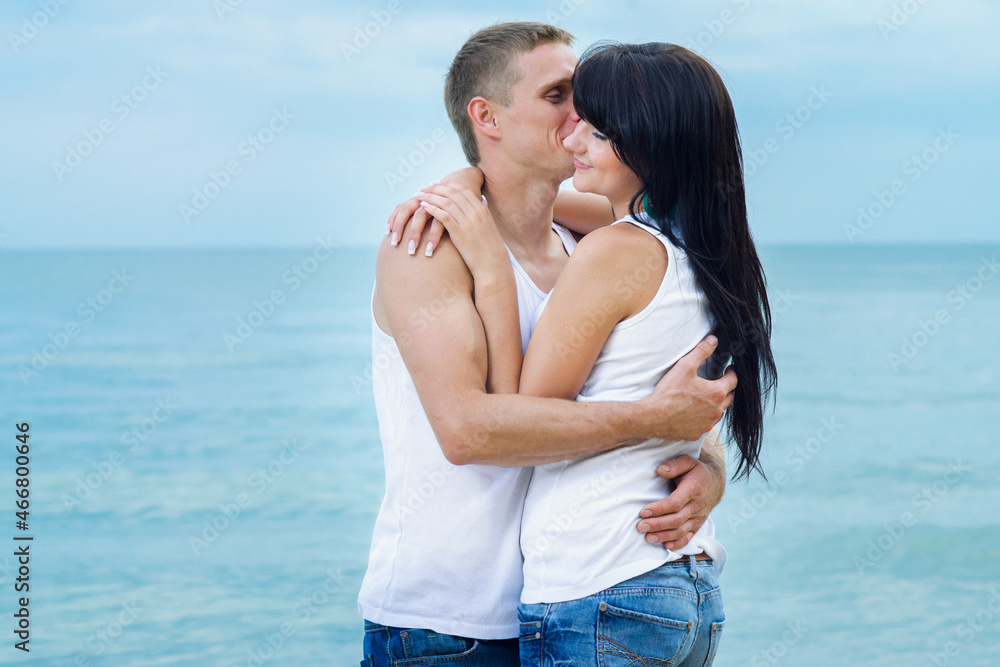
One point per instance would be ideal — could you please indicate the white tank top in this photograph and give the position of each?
(445, 553)
(578, 531)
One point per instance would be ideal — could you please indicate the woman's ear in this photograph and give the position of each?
(483, 119)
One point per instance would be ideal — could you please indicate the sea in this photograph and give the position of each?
(204, 468)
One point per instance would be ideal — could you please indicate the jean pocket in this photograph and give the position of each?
(713, 642)
(627, 638)
(418, 647)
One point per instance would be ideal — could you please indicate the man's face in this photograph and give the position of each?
(540, 114)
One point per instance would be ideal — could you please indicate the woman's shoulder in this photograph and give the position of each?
(621, 244)
(621, 262)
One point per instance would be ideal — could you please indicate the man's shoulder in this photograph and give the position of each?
(407, 281)
(446, 261)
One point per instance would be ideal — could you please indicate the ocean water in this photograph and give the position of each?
(205, 463)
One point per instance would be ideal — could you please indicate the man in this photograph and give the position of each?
(444, 574)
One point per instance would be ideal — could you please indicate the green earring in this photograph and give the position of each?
(647, 207)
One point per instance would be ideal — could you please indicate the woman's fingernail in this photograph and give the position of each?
(388, 228)
(424, 204)
(412, 248)
(394, 241)
(435, 182)
(429, 250)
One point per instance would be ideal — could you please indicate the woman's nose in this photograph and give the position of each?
(572, 142)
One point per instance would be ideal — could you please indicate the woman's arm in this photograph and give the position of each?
(613, 274)
(582, 212)
(471, 228)
(496, 303)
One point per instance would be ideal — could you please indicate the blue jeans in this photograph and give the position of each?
(669, 616)
(403, 647)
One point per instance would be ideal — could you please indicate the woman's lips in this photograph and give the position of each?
(580, 165)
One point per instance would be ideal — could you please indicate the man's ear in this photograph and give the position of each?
(480, 110)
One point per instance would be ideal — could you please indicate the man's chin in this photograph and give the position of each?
(566, 171)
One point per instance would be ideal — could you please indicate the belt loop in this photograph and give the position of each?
(693, 568)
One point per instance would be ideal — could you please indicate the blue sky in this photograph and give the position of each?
(245, 123)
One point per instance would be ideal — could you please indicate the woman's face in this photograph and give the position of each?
(598, 169)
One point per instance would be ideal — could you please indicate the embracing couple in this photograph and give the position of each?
(547, 501)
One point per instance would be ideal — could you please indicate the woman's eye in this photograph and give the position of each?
(600, 136)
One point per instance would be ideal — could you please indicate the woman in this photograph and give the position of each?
(657, 137)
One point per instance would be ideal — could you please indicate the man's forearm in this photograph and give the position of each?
(714, 458)
(519, 430)
(515, 430)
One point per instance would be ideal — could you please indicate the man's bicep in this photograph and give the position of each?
(428, 304)
(582, 212)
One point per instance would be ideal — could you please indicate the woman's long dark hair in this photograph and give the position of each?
(670, 120)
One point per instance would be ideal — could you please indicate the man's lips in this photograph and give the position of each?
(580, 165)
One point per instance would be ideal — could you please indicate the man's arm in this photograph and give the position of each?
(427, 307)
(474, 234)
(582, 212)
(700, 485)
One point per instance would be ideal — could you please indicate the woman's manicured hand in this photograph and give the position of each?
(408, 220)
(470, 226)
(406, 224)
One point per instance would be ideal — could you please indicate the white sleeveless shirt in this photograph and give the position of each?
(578, 531)
(445, 553)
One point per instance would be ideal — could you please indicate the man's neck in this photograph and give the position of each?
(521, 205)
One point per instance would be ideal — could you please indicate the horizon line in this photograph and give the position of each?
(372, 246)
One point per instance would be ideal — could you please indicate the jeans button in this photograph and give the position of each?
(603, 606)
(538, 635)
(538, 624)
(404, 634)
